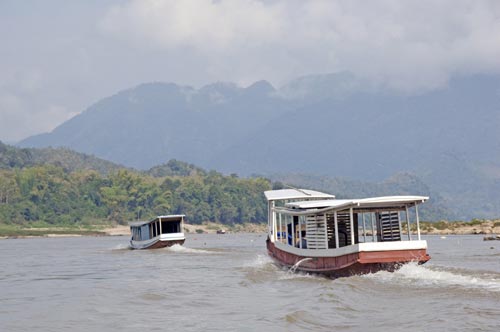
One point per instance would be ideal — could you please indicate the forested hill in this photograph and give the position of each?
(175, 168)
(40, 186)
(332, 124)
(12, 157)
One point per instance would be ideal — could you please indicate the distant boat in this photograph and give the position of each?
(221, 231)
(312, 231)
(163, 231)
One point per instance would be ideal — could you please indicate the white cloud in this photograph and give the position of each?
(96, 49)
(19, 119)
(407, 45)
(206, 26)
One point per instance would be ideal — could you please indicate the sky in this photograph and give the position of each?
(58, 57)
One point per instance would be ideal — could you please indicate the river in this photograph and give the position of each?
(228, 283)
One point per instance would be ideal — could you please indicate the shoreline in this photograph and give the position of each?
(426, 228)
(124, 230)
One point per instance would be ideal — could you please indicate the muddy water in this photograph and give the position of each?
(227, 283)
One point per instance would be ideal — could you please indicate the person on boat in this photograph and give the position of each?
(302, 242)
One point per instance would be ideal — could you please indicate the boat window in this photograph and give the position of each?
(316, 230)
(145, 232)
(389, 225)
(153, 229)
(343, 230)
(367, 226)
(170, 227)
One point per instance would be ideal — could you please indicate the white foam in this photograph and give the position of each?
(289, 275)
(425, 276)
(265, 263)
(259, 262)
(122, 246)
(182, 249)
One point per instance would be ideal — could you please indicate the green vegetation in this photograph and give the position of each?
(12, 157)
(441, 225)
(45, 188)
(49, 194)
(175, 168)
(475, 222)
(58, 196)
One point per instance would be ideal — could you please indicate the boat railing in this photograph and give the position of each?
(329, 229)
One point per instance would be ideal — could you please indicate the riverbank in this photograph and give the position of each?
(16, 231)
(485, 227)
(13, 231)
(426, 228)
(206, 228)
(475, 226)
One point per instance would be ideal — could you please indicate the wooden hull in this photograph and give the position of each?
(348, 264)
(157, 245)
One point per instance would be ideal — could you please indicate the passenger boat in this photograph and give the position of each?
(313, 232)
(163, 231)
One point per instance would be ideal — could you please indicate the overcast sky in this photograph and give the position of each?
(59, 57)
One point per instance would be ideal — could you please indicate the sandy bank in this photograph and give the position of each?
(210, 228)
(487, 227)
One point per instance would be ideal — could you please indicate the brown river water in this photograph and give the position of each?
(228, 283)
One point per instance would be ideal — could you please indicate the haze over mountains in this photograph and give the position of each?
(328, 125)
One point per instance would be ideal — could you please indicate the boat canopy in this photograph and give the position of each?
(171, 217)
(287, 194)
(372, 202)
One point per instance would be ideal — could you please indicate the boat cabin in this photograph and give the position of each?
(308, 221)
(160, 232)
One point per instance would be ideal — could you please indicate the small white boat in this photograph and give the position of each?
(163, 231)
(312, 231)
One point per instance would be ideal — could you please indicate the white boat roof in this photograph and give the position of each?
(373, 202)
(167, 217)
(282, 194)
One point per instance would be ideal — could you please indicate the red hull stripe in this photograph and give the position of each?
(350, 264)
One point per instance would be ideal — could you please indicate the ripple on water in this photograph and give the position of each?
(307, 321)
(153, 297)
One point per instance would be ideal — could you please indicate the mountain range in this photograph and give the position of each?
(324, 125)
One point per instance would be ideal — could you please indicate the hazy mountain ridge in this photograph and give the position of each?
(327, 124)
(172, 121)
(398, 184)
(12, 157)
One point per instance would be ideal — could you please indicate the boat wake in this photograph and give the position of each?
(286, 274)
(177, 248)
(296, 266)
(121, 246)
(424, 276)
(263, 269)
(260, 262)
